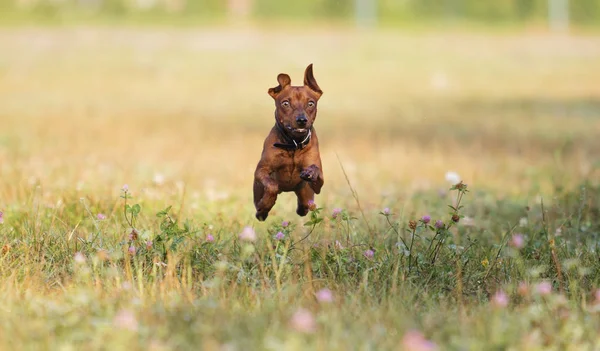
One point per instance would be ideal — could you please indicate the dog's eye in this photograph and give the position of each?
(285, 104)
(311, 104)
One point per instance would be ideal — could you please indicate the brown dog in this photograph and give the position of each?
(290, 159)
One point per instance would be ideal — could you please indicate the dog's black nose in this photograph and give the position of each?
(301, 120)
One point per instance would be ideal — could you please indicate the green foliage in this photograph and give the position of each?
(171, 236)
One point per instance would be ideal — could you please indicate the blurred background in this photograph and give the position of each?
(558, 14)
(170, 96)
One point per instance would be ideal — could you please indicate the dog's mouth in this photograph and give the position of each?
(298, 131)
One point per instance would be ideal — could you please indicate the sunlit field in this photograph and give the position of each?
(96, 120)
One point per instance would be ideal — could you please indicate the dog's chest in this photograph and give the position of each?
(287, 172)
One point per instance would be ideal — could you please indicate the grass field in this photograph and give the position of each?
(179, 115)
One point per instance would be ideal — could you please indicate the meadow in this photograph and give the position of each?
(126, 165)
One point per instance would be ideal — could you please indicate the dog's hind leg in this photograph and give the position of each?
(305, 194)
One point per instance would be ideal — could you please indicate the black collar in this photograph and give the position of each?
(290, 143)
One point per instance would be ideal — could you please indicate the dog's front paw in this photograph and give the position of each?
(310, 173)
(262, 216)
(302, 211)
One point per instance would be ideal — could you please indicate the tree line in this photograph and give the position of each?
(585, 12)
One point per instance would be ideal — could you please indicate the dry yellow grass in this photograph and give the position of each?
(93, 108)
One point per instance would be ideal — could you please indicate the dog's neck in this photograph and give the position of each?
(289, 142)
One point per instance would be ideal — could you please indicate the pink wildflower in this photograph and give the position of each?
(303, 321)
(386, 211)
(517, 241)
(1, 217)
(336, 213)
(284, 224)
(79, 258)
(414, 340)
(324, 295)
(426, 219)
(543, 288)
(149, 244)
(125, 187)
(369, 253)
(500, 299)
(125, 319)
(248, 234)
(279, 236)
(131, 250)
(210, 238)
(101, 216)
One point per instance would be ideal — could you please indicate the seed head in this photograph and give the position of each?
(133, 236)
(412, 224)
(102, 255)
(461, 186)
(523, 289)
(452, 177)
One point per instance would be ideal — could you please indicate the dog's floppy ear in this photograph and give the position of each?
(309, 80)
(284, 80)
